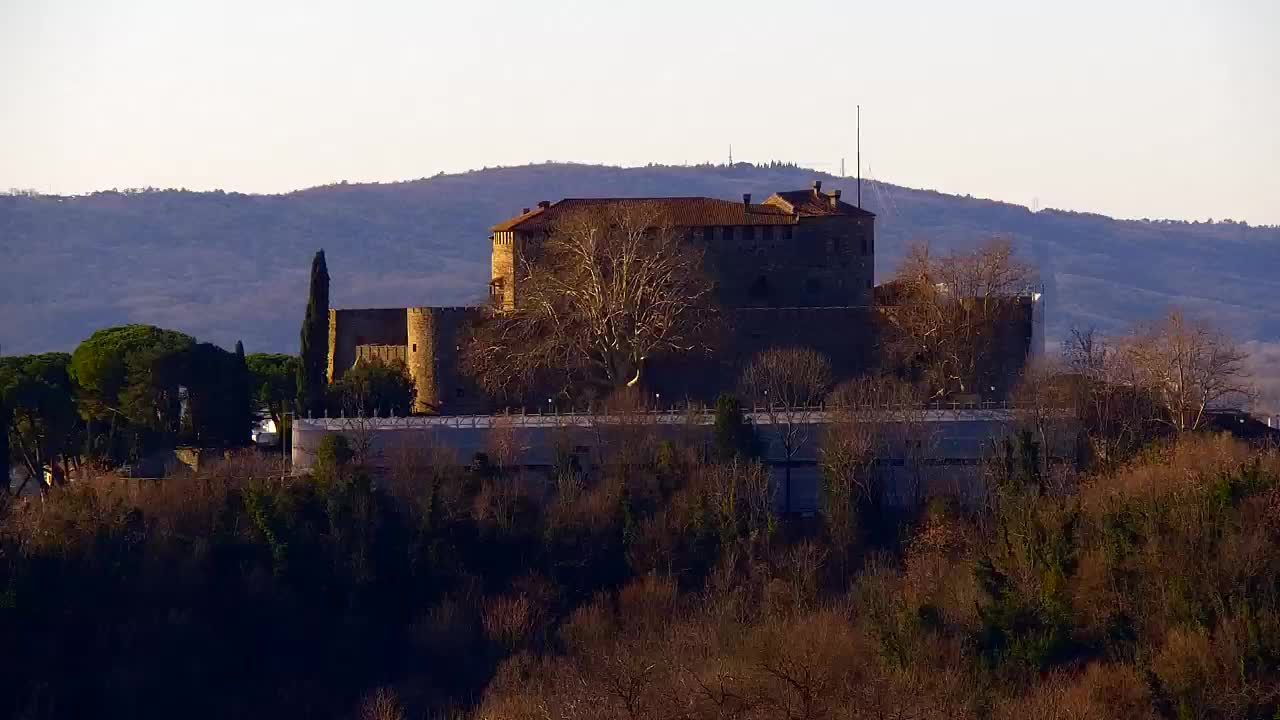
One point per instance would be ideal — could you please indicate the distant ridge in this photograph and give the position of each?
(227, 266)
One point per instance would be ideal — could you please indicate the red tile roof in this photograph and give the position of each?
(811, 203)
(684, 211)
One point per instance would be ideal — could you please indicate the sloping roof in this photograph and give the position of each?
(814, 203)
(684, 212)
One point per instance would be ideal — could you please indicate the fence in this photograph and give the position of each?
(690, 415)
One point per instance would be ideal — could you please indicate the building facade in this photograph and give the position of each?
(806, 248)
(794, 270)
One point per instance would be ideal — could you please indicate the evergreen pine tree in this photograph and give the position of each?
(315, 339)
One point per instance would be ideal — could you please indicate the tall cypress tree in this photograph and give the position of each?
(245, 410)
(315, 339)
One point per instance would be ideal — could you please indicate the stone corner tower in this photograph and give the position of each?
(420, 357)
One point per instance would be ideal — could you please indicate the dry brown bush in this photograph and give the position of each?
(1168, 468)
(938, 569)
(381, 704)
(509, 619)
(807, 669)
(1101, 692)
(647, 604)
(412, 467)
(515, 619)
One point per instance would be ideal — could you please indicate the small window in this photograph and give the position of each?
(869, 285)
(864, 244)
(458, 392)
(415, 347)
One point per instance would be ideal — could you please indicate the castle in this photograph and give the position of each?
(796, 269)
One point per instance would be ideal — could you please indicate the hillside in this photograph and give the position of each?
(224, 266)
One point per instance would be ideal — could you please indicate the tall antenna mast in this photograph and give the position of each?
(859, 157)
(841, 167)
(731, 154)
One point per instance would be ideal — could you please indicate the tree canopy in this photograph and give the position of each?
(274, 378)
(38, 398)
(314, 353)
(607, 291)
(375, 388)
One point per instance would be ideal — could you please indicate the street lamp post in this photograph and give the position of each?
(284, 445)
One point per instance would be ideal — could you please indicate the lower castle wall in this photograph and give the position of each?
(846, 335)
(432, 337)
(349, 328)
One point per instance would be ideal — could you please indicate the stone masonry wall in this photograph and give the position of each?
(819, 262)
(846, 335)
(837, 267)
(435, 337)
(386, 354)
(349, 328)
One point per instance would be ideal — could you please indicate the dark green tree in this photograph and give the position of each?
(732, 436)
(315, 339)
(274, 383)
(130, 380)
(39, 413)
(219, 413)
(375, 389)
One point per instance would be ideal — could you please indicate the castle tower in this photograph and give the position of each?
(420, 356)
(510, 239)
(503, 259)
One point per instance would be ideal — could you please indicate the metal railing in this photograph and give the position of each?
(691, 415)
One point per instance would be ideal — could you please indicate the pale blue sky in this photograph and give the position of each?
(1160, 108)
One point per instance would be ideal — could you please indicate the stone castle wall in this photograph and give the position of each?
(846, 335)
(818, 262)
(435, 337)
(350, 328)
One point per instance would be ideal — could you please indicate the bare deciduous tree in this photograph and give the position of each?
(862, 415)
(607, 290)
(381, 704)
(948, 311)
(1190, 367)
(787, 384)
(1044, 398)
(1111, 409)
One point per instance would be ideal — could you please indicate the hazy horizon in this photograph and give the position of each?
(1146, 109)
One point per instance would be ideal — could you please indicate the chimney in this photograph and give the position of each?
(544, 204)
(817, 186)
(746, 198)
(835, 199)
(524, 211)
